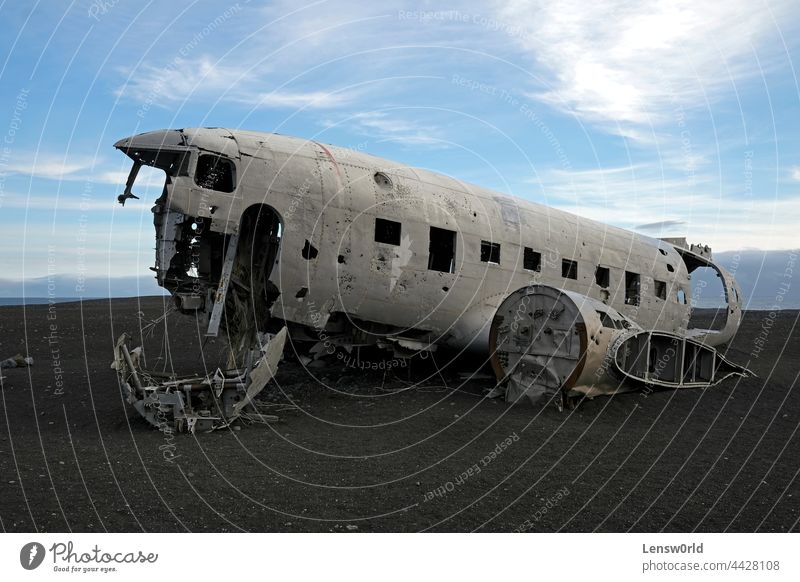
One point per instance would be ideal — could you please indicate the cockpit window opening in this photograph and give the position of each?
(172, 162)
(214, 173)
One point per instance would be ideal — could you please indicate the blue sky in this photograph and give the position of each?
(671, 118)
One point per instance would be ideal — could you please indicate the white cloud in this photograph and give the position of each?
(47, 166)
(297, 100)
(629, 64)
(287, 54)
(642, 198)
(641, 70)
(77, 169)
(71, 203)
(660, 227)
(390, 127)
(237, 82)
(178, 80)
(104, 248)
(149, 179)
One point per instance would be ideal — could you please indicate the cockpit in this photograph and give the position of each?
(207, 161)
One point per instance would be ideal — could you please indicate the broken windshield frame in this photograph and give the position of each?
(172, 162)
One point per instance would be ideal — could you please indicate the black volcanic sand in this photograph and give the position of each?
(366, 452)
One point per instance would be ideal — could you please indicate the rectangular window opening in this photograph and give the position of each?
(214, 173)
(531, 260)
(387, 231)
(602, 276)
(569, 269)
(442, 250)
(632, 286)
(660, 289)
(490, 252)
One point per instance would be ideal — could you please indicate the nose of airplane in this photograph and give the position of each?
(153, 140)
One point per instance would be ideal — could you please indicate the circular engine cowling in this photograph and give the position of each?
(546, 341)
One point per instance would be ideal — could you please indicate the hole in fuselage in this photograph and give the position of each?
(708, 300)
(309, 251)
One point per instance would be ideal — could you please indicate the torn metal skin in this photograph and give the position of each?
(195, 403)
(259, 231)
(560, 345)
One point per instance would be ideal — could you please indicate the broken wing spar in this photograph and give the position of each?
(256, 232)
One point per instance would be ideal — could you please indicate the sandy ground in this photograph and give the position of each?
(369, 451)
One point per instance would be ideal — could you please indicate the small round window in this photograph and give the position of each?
(382, 180)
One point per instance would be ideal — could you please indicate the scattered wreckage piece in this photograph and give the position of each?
(17, 361)
(547, 342)
(197, 403)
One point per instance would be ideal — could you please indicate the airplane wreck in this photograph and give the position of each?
(267, 237)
